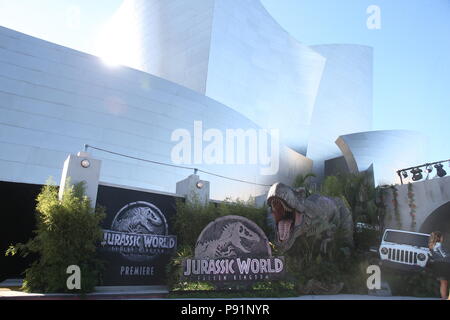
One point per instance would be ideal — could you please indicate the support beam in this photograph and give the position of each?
(81, 167)
(193, 188)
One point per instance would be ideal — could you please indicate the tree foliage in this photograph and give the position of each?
(67, 233)
(358, 192)
(193, 217)
(303, 181)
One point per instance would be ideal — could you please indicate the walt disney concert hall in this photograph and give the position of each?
(226, 65)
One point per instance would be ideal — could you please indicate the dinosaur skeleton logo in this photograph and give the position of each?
(230, 237)
(140, 217)
(139, 232)
(231, 249)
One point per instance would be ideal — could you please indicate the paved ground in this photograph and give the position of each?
(332, 297)
(9, 290)
(8, 294)
(140, 295)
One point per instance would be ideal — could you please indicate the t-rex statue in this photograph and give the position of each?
(294, 215)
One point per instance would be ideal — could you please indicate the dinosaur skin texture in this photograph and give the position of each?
(295, 215)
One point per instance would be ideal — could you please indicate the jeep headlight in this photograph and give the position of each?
(421, 257)
(384, 251)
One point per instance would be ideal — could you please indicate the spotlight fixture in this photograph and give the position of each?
(85, 163)
(440, 170)
(417, 174)
(200, 185)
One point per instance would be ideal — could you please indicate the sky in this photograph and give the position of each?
(411, 48)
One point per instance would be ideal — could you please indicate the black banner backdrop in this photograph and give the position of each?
(138, 239)
(17, 224)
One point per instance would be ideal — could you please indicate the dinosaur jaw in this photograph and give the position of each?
(286, 218)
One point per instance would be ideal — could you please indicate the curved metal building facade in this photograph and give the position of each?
(226, 63)
(232, 51)
(387, 150)
(53, 100)
(344, 101)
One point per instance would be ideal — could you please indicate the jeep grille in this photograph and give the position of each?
(403, 256)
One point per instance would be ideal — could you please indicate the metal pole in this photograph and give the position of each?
(400, 175)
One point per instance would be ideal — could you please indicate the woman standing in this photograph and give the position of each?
(440, 266)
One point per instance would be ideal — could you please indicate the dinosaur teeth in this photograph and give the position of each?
(284, 229)
(285, 206)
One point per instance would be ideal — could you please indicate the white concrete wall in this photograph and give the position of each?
(429, 195)
(53, 100)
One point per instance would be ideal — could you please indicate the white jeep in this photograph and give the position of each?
(404, 250)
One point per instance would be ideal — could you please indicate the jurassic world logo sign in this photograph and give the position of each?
(137, 241)
(139, 232)
(233, 249)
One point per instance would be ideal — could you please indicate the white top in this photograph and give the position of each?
(438, 249)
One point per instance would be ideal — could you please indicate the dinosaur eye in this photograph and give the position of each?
(241, 229)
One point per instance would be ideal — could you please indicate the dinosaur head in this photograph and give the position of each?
(288, 210)
(147, 218)
(246, 233)
(244, 236)
(151, 215)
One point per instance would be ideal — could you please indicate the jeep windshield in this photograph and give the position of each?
(411, 239)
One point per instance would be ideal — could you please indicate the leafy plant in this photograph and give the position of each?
(302, 181)
(333, 187)
(420, 284)
(193, 216)
(380, 201)
(307, 260)
(412, 206)
(174, 269)
(362, 198)
(68, 231)
(396, 206)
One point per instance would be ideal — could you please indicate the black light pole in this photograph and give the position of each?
(400, 175)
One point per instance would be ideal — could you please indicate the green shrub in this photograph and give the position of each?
(307, 260)
(333, 187)
(366, 238)
(419, 284)
(174, 270)
(68, 232)
(193, 217)
(302, 181)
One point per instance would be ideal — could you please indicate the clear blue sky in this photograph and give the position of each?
(412, 48)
